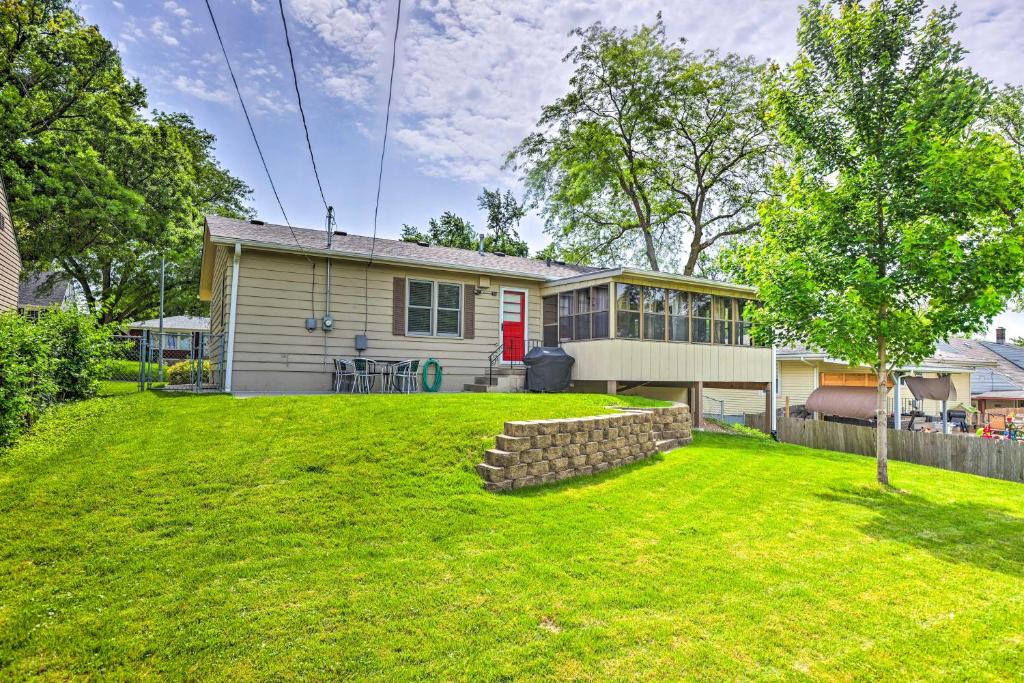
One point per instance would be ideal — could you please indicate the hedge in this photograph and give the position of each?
(59, 358)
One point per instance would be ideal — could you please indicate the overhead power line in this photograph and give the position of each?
(302, 110)
(380, 168)
(248, 120)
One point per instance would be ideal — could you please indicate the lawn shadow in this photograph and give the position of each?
(970, 533)
(586, 480)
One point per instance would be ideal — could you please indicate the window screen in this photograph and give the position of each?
(449, 309)
(421, 302)
(627, 311)
(700, 307)
(654, 313)
(678, 315)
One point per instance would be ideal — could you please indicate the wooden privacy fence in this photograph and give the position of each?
(959, 453)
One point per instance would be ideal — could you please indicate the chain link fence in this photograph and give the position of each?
(187, 362)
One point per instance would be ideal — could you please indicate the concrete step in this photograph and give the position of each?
(493, 381)
(479, 388)
(507, 370)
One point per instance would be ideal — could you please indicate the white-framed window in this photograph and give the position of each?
(433, 308)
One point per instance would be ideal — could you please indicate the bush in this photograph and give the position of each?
(182, 373)
(26, 385)
(61, 357)
(81, 351)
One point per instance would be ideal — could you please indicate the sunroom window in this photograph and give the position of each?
(627, 311)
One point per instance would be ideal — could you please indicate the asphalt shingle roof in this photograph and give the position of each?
(42, 289)
(229, 229)
(1006, 371)
(175, 322)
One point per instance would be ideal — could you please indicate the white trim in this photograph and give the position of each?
(433, 307)
(771, 393)
(232, 318)
(501, 317)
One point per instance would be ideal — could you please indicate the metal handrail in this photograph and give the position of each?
(494, 356)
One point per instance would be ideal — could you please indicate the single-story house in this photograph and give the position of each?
(10, 258)
(1000, 385)
(272, 288)
(181, 333)
(800, 371)
(40, 291)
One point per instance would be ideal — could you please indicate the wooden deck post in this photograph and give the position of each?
(769, 408)
(612, 387)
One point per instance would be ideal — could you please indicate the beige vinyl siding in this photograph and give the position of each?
(219, 303)
(10, 260)
(277, 292)
(734, 401)
(796, 382)
(633, 360)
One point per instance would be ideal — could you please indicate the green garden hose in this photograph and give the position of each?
(436, 384)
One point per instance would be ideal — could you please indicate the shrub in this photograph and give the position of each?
(26, 384)
(182, 373)
(81, 350)
(61, 357)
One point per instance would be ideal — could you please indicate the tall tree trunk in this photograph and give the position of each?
(881, 416)
(652, 253)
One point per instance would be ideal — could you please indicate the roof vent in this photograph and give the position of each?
(423, 244)
(499, 253)
(257, 221)
(561, 263)
(341, 232)
(548, 261)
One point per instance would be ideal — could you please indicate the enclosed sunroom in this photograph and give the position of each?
(660, 334)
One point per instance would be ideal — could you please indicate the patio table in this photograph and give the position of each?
(385, 369)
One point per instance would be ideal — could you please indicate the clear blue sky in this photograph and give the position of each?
(470, 81)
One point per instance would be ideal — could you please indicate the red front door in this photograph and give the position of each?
(513, 325)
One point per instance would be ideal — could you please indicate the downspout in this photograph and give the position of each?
(232, 317)
(897, 408)
(774, 412)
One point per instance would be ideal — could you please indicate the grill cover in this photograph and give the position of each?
(547, 369)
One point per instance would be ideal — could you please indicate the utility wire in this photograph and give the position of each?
(380, 170)
(263, 159)
(248, 120)
(302, 110)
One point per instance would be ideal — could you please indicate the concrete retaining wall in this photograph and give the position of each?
(542, 451)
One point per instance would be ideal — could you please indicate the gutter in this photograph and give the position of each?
(395, 260)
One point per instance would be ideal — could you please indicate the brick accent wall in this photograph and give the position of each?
(542, 451)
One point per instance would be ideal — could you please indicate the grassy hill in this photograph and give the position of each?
(152, 536)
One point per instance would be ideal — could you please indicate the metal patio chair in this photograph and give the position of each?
(405, 377)
(344, 375)
(364, 375)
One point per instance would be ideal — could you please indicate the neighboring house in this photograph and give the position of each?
(40, 291)
(628, 330)
(10, 259)
(1001, 385)
(800, 371)
(181, 333)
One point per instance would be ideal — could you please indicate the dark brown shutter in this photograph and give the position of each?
(398, 307)
(469, 312)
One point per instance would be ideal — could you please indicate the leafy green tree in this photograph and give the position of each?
(99, 192)
(886, 235)
(504, 212)
(591, 162)
(576, 257)
(449, 230)
(653, 148)
(717, 149)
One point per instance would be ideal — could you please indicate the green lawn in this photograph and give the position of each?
(150, 536)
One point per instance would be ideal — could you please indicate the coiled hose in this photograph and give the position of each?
(434, 385)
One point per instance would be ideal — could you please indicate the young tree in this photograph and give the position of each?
(886, 235)
(503, 215)
(591, 162)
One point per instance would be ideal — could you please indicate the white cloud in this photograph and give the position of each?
(159, 28)
(175, 9)
(118, 5)
(197, 87)
(472, 75)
